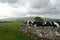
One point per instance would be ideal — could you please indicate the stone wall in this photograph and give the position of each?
(39, 32)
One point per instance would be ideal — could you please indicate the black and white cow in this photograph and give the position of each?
(45, 24)
(53, 24)
(58, 23)
(36, 23)
(29, 23)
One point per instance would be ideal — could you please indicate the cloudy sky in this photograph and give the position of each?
(29, 8)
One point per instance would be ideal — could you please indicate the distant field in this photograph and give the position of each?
(10, 31)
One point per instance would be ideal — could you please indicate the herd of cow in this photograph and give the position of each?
(43, 24)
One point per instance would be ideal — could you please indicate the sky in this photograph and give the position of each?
(29, 8)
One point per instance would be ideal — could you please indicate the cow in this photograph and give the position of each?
(54, 24)
(45, 24)
(29, 23)
(38, 24)
(58, 23)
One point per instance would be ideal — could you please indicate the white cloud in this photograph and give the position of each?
(26, 8)
(7, 10)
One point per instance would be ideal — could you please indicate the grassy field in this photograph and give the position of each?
(10, 31)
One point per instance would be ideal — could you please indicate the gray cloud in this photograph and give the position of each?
(44, 11)
(33, 3)
(39, 3)
(42, 7)
(8, 1)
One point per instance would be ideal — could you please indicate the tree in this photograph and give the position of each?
(39, 19)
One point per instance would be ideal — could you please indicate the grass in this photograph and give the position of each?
(10, 31)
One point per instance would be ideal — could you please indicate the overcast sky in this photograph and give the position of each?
(29, 8)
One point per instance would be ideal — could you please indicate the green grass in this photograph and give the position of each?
(10, 31)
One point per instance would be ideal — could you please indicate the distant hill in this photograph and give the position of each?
(28, 18)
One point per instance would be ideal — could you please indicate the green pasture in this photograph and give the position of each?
(10, 31)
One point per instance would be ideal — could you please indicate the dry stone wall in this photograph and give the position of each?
(44, 32)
